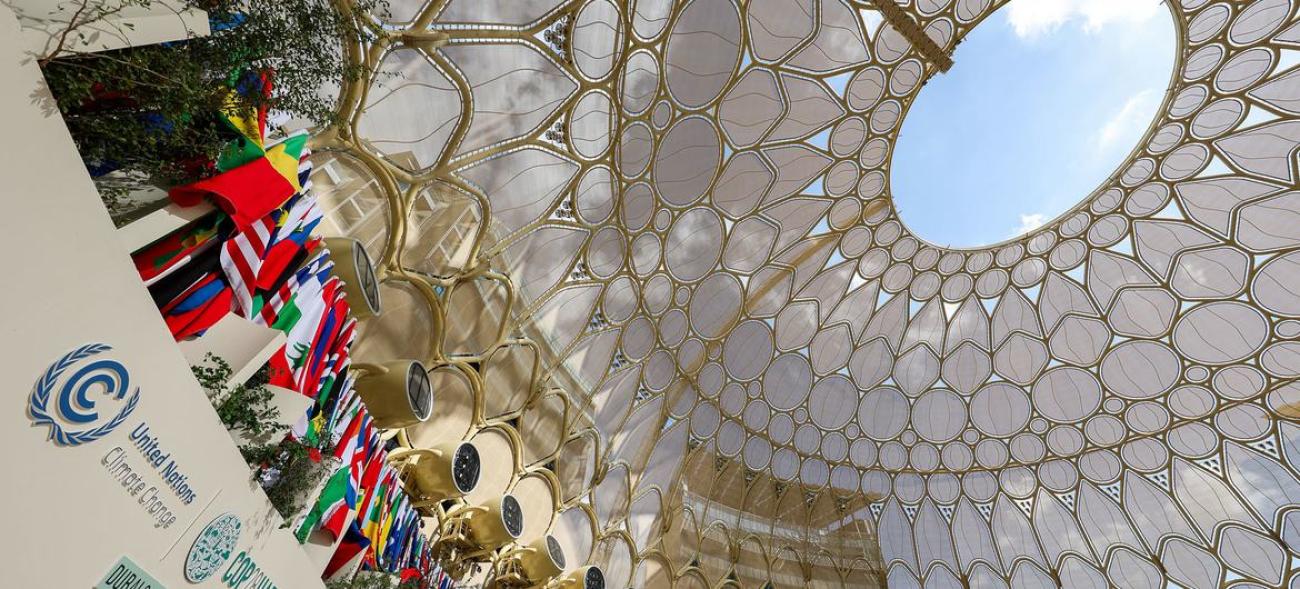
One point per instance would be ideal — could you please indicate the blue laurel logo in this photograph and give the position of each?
(74, 408)
(212, 547)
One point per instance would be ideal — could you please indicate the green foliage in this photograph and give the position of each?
(242, 408)
(370, 581)
(286, 469)
(152, 111)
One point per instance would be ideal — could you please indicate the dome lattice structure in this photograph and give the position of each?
(658, 238)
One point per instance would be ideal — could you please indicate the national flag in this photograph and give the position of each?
(198, 308)
(374, 514)
(332, 499)
(241, 259)
(281, 308)
(166, 291)
(323, 357)
(392, 515)
(354, 543)
(245, 118)
(292, 233)
(176, 248)
(310, 307)
(251, 191)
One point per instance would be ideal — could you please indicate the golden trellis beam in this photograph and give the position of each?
(903, 23)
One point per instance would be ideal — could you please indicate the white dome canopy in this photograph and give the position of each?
(1108, 400)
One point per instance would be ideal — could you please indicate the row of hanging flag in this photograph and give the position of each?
(363, 501)
(256, 256)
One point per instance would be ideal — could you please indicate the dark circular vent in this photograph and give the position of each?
(512, 516)
(594, 579)
(366, 276)
(419, 391)
(465, 467)
(556, 552)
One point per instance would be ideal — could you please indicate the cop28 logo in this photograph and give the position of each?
(212, 548)
(73, 416)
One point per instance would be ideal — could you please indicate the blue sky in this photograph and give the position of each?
(1043, 101)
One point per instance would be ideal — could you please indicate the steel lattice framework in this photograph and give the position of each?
(621, 232)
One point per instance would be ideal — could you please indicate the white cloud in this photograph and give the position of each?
(1032, 18)
(1029, 223)
(1130, 121)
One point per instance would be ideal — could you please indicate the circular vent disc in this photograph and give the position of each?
(465, 467)
(512, 516)
(419, 391)
(594, 578)
(369, 285)
(555, 550)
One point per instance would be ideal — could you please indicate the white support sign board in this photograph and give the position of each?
(114, 461)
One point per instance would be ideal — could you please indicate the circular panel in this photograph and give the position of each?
(605, 252)
(694, 244)
(673, 327)
(848, 137)
(781, 428)
(1239, 382)
(883, 413)
(638, 338)
(1067, 394)
(1064, 440)
(757, 415)
(645, 258)
(703, 51)
(1244, 70)
(835, 447)
(640, 82)
(688, 159)
(597, 38)
(1221, 332)
(832, 402)
(634, 149)
(807, 439)
(1245, 422)
(748, 350)
(787, 382)
(1000, 409)
(939, 416)
(757, 453)
(658, 293)
(620, 299)
(638, 206)
(1193, 440)
(705, 419)
(1140, 369)
(785, 464)
(594, 195)
(862, 452)
(590, 125)
(1275, 285)
(1147, 417)
(1191, 402)
(1218, 118)
(715, 304)
(866, 87)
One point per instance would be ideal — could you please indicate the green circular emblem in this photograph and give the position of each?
(212, 548)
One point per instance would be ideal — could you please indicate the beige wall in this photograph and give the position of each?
(67, 282)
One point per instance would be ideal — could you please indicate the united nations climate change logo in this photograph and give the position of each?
(212, 548)
(74, 413)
